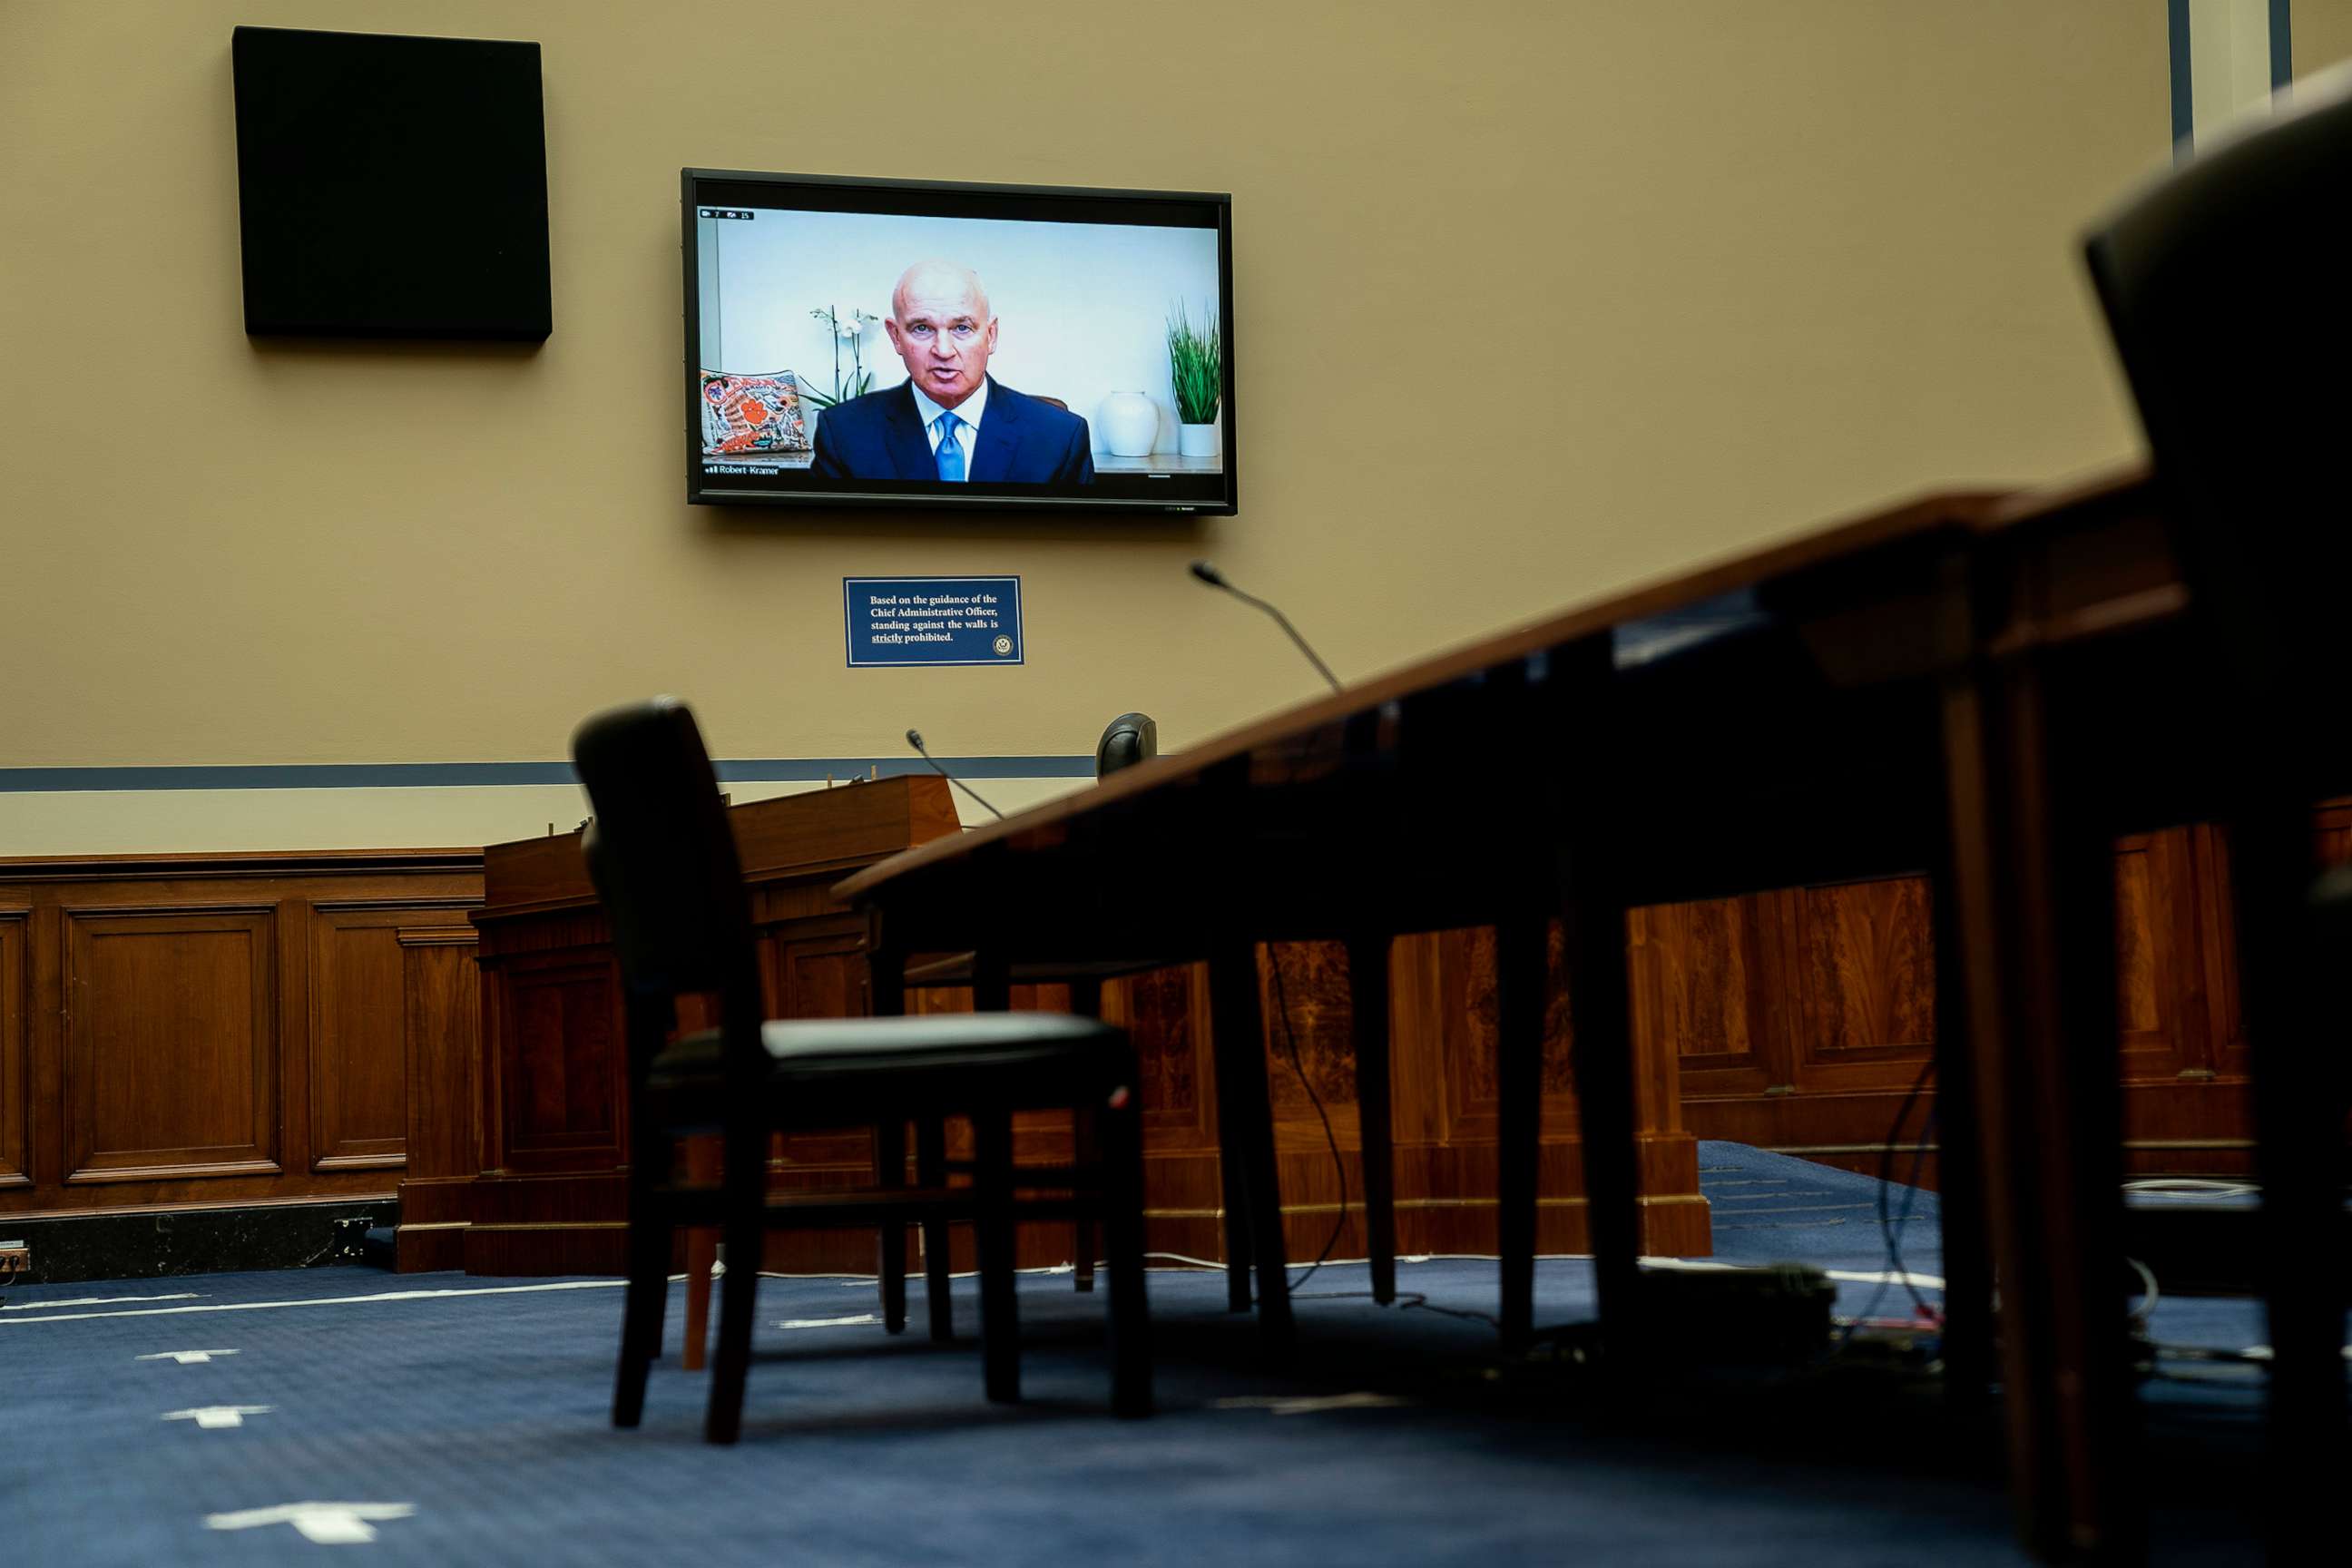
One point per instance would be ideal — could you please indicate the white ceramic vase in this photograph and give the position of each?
(1197, 440)
(1130, 424)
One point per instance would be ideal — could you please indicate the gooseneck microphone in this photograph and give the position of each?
(915, 739)
(1216, 579)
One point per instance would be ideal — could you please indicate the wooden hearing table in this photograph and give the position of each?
(1914, 689)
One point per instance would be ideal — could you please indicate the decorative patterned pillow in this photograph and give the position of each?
(751, 414)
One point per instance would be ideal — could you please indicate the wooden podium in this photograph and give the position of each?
(517, 1140)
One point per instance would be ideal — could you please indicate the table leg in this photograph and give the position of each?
(701, 1253)
(890, 1171)
(992, 982)
(885, 980)
(1131, 1318)
(2034, 892)
(887, 970)
(1232, 1190)
(1245, 1131)
(1586, 824)
(999, 1320)
(1086, 1146)
(2298, 1040)
(1521, 978)
(931, 1172)
(704, 1158)
(1367, 995)
(1959, 1165)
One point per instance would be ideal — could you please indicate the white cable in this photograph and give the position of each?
(719, 1270)
(2148, 1277)
(2199, 1186)
(1409, 1257)
(2256, 1353)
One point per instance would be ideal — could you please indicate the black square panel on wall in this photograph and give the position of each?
(391, 186)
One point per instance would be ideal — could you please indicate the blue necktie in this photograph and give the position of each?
(950, 453)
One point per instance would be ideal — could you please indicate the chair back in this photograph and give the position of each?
(662, 854)
(2228, 287)
(1130, 739)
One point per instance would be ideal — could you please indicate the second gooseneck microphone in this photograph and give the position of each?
(1216, 579)
(915, 739)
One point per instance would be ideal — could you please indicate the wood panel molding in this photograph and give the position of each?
(171, 1042)
(558, 1032)
(15, 1049)
(358, 1091)
(202, 1030)
(275, 869)
(1865, 975)
(1852, 1014)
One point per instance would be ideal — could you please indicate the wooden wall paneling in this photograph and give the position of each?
(2160, 988)
(1458, 1175)
(442, 1133)
(1158, 1010)
(2332, 826)
(2218, 933)
(1304, 998)
(159, 1026)
(821, 974)
(1420, 1087)
(15, 1049)
(1472, 1022)
(1859, 985)
(1703, 995)
(1865, 980)
(1166, 1015)
(359, 1026)
(44, 932)
(1310, 1043)
(562, 1057)
(171, 1063)
(291, 936)
(2185, 1101)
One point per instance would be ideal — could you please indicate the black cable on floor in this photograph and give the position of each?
(1407, 1301)
(1338, 1168)
(1891, 1230)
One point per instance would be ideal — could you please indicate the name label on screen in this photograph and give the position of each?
(932, 620)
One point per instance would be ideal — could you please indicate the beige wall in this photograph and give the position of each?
(1534, 299)
(2321, 35)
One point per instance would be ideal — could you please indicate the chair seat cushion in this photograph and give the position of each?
(953, 1054)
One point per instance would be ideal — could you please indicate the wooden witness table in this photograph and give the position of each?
(1945, 682)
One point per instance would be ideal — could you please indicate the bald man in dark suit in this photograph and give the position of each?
(951, 420)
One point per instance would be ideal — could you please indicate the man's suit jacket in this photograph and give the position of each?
(1022, 440)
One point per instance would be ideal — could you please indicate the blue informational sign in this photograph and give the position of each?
(932, 620)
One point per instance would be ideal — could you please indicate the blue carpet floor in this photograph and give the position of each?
(470, 1415)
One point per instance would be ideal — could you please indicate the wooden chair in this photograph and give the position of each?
(958, 971)
(2224, 285)
(665, 864)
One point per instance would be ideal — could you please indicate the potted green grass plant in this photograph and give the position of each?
(1196, 364)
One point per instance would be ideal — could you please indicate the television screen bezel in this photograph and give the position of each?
(855, 193)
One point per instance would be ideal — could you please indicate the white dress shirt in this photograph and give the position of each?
(968, 411)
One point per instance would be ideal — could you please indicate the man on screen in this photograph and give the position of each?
(950, 420)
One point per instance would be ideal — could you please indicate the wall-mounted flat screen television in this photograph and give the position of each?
(890, 343)
(391, 186)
